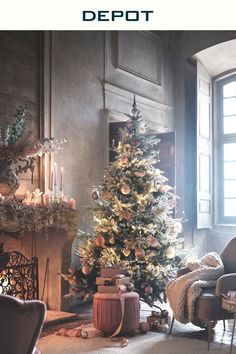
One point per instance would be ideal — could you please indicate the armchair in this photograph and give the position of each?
(208, 309)
(20, 325)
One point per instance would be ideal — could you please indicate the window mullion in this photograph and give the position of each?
(221, 141)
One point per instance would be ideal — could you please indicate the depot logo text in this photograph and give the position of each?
(116, 15)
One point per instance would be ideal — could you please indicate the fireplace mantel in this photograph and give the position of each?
(54, 246)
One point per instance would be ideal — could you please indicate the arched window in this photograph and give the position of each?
(225, 149)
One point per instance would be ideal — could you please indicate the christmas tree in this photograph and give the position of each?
(133, 222)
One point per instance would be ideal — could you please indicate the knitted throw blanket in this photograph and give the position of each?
(183, 291)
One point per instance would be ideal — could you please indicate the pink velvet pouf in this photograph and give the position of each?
(107, 312)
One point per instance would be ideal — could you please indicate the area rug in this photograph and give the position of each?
(150, 343)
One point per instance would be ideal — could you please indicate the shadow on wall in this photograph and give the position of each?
(218, 239)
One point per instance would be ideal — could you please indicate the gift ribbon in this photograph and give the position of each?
(122, 304)
(121, 342)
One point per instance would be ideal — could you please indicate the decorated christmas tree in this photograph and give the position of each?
(133, 222)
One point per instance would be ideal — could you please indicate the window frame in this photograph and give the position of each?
(219, 139)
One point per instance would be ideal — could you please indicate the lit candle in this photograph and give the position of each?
(37, 196)
(72, 203)
(62, 179)
(27, 195)
(28, 198)
(45, 199)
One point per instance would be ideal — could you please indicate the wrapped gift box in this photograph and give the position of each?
(107, 289)
(158, 319)
(110, 272)
(154, 321)
(113, 281)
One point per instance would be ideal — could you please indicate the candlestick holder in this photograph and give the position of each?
(51, 196)
(55, 194)
(62, 196)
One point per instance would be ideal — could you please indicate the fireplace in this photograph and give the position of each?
(52, 249)
(19, 276)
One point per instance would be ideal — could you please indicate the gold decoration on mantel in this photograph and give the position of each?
(17, 217)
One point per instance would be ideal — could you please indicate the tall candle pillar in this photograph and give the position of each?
(55, 174)
(51, 181)
(62, 179)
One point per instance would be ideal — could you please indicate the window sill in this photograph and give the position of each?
(227, 228)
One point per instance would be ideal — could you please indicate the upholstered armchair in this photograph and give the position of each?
(208, 309)
(20, 325)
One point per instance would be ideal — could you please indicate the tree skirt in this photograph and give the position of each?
(150, 343)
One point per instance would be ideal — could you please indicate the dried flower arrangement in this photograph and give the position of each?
(16, 147)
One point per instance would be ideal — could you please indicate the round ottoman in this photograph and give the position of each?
(107, 312)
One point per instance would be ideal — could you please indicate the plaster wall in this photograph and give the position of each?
(81, 62)
(19, 84)
(76, 104)
(127, 49)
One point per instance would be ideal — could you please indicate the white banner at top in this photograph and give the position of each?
(118, 15)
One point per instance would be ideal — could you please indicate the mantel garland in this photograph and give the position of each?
(16, 217)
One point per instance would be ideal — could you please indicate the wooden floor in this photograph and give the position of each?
(84, 316)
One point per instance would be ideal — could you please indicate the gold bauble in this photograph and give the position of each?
(125, 189)
(127, 214)
(140, 173)
(99, 241)
(162, 189)
(112, 240)
(126, 252)
(152, 242)
(86, 269)
(124, 160)
(170, 252)
(139, 253)
(148, 289)
(106, 195)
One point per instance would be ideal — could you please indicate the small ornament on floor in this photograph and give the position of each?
(158, 320)
(77, 332)
(144, 327)
(84, 334)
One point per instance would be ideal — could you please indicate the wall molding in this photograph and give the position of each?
(123, 63)
(119, 102)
